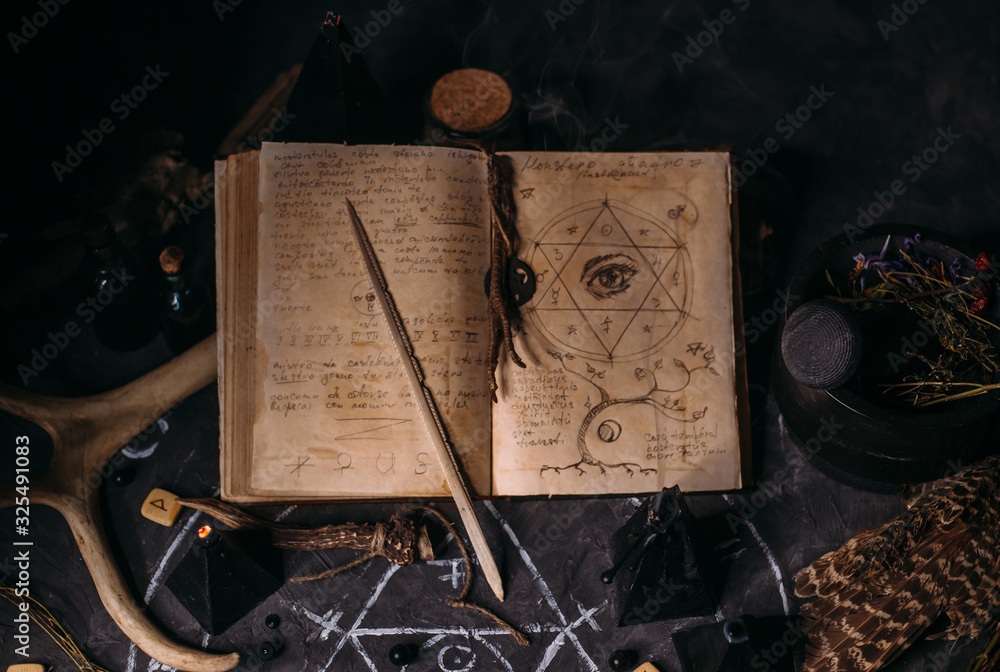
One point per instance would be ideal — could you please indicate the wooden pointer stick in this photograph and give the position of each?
(425, 402)
(85, 433)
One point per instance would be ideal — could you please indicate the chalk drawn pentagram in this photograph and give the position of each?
(477, 646)
(615, 283)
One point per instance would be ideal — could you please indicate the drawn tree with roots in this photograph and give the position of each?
(659, 398)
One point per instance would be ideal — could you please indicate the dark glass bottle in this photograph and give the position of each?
(185, 308)
(117, 299)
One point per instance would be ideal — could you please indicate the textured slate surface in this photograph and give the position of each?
(606, 63)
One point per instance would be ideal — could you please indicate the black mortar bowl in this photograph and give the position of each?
(856, 433)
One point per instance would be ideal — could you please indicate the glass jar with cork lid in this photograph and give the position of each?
(472, 107)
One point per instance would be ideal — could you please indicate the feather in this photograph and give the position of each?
(880, 592)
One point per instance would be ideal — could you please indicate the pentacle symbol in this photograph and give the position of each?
(557, 635)
(363, 298)
(621, 284)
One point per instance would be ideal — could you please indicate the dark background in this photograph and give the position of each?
(891, 93)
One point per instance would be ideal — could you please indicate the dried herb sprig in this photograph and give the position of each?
(950, 303)
(989, 658)
(51, 626)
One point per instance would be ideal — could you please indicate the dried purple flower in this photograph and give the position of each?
(956, 266)
(867, 259)
(885, 248)
(908, 242)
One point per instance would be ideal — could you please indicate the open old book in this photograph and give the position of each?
(633, 381)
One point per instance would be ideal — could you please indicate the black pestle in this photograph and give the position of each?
(821, 344)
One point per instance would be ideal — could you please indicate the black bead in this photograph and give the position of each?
(402, 654)
(267, 650)
(735, 631)
(520, 282)
(622, 659)
(272, 621)
(123, 476)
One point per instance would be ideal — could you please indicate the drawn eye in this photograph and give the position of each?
(608, 275)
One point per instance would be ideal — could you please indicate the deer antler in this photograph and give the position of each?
(85, 432)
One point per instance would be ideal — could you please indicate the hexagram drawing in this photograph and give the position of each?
(615, 283)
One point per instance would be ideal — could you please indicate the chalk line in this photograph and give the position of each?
(154, 582)
(542, 585)
(786, 605)
(364, 612)
(563, 630)
(433, 640)
(364, 654)
(567, 631)
(328, 622)
(131, 657)
(140, 454)
(587, 614)
(455, 574)
(495, 650)
(455, 630)
(551, 652)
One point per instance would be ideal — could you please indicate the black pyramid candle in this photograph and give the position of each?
(219, 581)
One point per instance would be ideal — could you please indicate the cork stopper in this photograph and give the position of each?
(171, 259)
(470, 100)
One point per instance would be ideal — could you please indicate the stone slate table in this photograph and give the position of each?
(837, 97)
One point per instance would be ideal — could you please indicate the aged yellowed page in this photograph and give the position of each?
(335, 417)
(630, 328)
